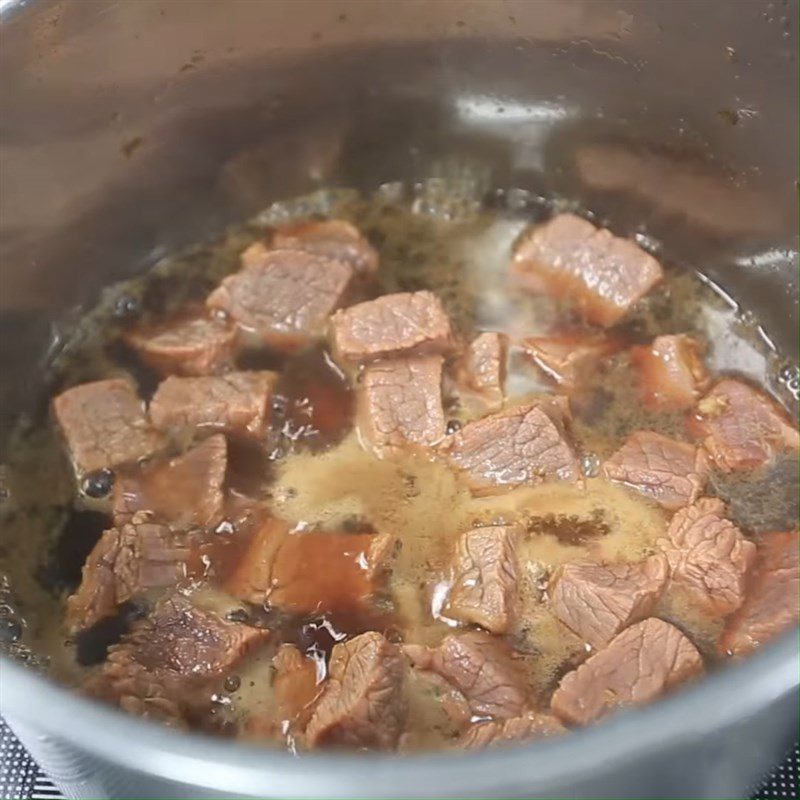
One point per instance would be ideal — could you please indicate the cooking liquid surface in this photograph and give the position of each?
(314, 475)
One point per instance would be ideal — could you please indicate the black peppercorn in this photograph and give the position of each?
(98, 484)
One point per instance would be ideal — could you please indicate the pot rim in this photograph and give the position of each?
(720, 700)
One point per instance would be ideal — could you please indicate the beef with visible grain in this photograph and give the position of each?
(105, 425)
(672, 473)
(286, 298)
(602, 275)
(533, 725)
(566, 358)
(237, 403)
(671, 371)
(709, 556)
(597, 601)
(399, 404)
(391, 325)
(639, 664)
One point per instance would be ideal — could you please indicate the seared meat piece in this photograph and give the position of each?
(362, 704)
(482, 668)
(673, 473)
(637, 666)
(170, 660)
(671, 371)
(238, 402)
(483, 368)
(395, 324)
(191, 344)
(534, 725)
(597, 601)
(399, 404)
(770, 605)
(521, 445)
(296, 687)
(741, 427)
(599, 273)
(285, 298)
(709, 556)
(310, 572)
(564, 358)
(182, 492)
(332, 238)
(104, 424)
(125, 562)
(485, 578)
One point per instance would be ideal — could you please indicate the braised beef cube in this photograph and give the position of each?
(672, 473)
(741, 427)
(483, 368)
(708, 556)
(485, 569)
(671, 371)
(190, 344)
(597, 601)
(565, 358)
(524, 445)
(286, 298)
(399, 404)
(395, 324)
(770, 605)
(238, 403)
(104, 424)
(534, 725)
(254, 254)
(637, 666)
(333, 238)
(602, 275)
(363, 703)
(297, 686)
(170, 660)
(310, 572)
(126, 562)
(182, 492)
(482, 668)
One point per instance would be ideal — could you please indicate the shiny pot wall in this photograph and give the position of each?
(129, 129)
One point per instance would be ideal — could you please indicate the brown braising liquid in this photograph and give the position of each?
(311, 471)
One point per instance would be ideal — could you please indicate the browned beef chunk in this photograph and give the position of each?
(597, 601)
(482, 668)
(671, 371)
(104, 424)
(395, 324)
(522, 445)
(333, 238)
(673, 473)
(599, 273)
(770, 605)
(362, 704)
(637, 666)
(709, 556)
(285, 298)
(399, 404)
(565, 358)
(190, 344)
(169, 660)
(485, 579)
(533, 725)
(310, 572)
(125, 562)
(741, 427)
(181, 492)
(483, 369)
(296, 686)
(238, 402)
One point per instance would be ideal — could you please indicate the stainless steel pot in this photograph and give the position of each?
(128, 129)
